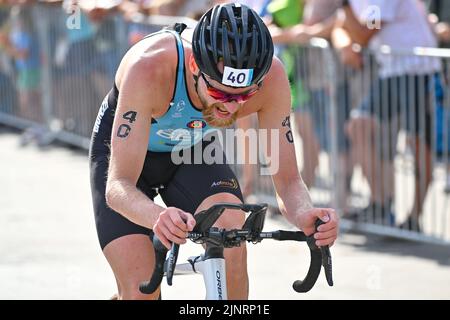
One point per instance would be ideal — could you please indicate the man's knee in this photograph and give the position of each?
(218, 197)
(230, 219)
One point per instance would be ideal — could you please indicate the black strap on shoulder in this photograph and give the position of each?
(178, 27)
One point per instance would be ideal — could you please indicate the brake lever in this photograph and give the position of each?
(172, 262)
(327, 264)
(326, 258)
(319, 256)
(148, 287)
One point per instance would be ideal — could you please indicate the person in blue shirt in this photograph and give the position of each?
(23, 46)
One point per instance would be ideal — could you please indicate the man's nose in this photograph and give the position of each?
(232, 106)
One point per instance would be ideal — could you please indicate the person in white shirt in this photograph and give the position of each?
(399, 98)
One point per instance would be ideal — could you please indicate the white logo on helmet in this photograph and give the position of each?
(237, 77)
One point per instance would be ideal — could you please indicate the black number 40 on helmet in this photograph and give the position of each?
(235, 35)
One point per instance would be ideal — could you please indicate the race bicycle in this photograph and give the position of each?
(211, 264)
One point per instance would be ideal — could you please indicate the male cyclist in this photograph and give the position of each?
(221, 71)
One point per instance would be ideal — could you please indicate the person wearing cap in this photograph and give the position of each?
(170, 89)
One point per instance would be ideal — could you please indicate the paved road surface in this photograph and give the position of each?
(49, 248)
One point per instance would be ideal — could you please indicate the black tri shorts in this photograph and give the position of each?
(184, 185)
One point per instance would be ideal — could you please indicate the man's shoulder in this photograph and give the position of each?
(275, 89)
(148, 70)
(276, 73)
(152, 59)
(157, 52)
(277, 65)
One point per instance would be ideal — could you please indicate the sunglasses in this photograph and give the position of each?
(228, 97)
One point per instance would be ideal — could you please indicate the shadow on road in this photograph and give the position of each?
(399, 247)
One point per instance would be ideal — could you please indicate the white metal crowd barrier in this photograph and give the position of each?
(335, 108)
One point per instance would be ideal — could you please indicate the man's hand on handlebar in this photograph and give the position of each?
(251, 232)
(173, 225)
(326, 233)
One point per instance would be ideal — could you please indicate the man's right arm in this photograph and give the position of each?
(144, 92)
(139, 97)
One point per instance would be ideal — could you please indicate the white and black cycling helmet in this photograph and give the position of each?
(235, 34)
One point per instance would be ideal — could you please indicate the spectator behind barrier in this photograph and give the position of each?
(394, 99)
(440, 18)
(136, 31)
(8, 92)
(312, 113)
(83, 71)
(23, 47)
(129, 9)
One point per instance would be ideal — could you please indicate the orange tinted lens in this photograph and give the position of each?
(226, 97)
(216, 94)
(244, 97)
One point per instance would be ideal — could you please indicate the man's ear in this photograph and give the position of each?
(193, 65)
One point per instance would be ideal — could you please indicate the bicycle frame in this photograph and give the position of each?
(212, 263)
(213, 272)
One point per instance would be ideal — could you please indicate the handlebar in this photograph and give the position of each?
(251, 231)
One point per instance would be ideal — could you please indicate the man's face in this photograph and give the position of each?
(220, 103)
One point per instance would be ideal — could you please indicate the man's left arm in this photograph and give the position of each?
(292, 194)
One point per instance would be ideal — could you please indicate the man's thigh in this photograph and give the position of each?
(193, 183)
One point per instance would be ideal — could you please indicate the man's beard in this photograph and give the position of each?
(211, 118)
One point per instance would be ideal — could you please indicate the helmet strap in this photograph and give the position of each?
(196, 76)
